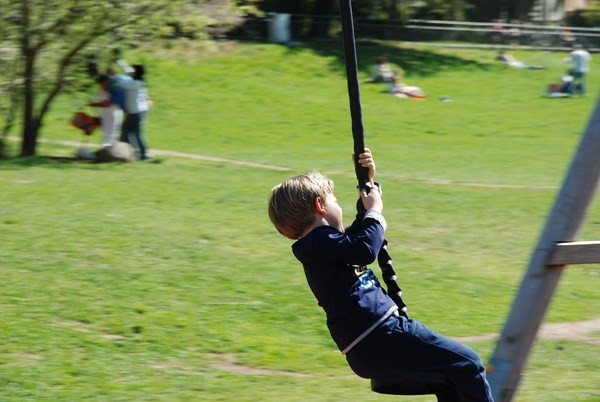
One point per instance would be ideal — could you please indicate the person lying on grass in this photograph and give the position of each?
(377, 339)
(511, 61)
(401, 90)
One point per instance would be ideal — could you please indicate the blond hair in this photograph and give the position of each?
(292, 203)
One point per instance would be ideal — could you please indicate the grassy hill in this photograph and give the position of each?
(165, 281)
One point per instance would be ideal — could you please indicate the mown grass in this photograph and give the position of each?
(138, 282)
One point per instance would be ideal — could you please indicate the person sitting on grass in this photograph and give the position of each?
(565, 88)
(382, 71)
(377, 339)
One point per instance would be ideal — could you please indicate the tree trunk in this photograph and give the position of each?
(30, 124)
(30, 136)
(13, 95)
(30, 127)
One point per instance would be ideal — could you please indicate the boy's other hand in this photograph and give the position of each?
(372, 200)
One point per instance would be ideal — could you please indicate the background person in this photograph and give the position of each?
(511, 61)
(580, 59)
(111, 115)
(136, 106)
(382, 71)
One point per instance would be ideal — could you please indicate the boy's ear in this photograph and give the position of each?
(320, 206)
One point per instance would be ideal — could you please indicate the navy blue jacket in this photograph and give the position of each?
(353, 301)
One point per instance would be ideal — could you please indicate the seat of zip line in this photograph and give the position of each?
(416, 383)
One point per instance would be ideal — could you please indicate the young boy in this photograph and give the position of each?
(376, 338)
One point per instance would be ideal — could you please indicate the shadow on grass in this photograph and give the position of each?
(59, 162)
(62, 162)
(414, 62)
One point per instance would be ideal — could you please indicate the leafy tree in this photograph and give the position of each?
(589, 17)
(519, 9)
(9, 95)
(292, 7)
(475, 10)
(454, 10)
(486, 10)
(49, 40)
(322, 11)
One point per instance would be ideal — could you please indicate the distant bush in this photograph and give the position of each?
(587, 18)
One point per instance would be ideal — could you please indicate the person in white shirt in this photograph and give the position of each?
(382, 71)
(580, 59)
(137, 104)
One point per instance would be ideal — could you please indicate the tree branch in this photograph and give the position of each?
(82, 44)
(59, 24)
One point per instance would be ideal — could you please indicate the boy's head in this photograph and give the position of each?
(292, 203)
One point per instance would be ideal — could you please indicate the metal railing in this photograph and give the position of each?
(312, 27)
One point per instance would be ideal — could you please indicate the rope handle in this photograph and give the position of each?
(389, 278)
(358, 134)
(362, 174)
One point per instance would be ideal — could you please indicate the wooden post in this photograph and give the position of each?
(540, 280)
(581, 252)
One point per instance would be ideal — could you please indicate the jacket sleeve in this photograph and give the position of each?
(359, 248)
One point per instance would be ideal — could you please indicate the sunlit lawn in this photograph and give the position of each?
(164, 281)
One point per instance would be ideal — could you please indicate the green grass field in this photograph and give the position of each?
(165, 281)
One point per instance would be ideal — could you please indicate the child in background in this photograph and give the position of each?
(111, 115)
(382, 71)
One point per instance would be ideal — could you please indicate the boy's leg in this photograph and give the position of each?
(142, 137)
(403, 345)
(117, 124)
(137, 132)
(579, 79)
(464, 367)
(106, 134)
(126, 129)
(448, 396)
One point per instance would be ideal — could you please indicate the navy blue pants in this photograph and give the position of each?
(402, 345)
(132, 132)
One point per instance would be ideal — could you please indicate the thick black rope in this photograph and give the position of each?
(358, 134)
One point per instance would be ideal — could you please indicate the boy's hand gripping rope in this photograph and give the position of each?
(362, 174)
